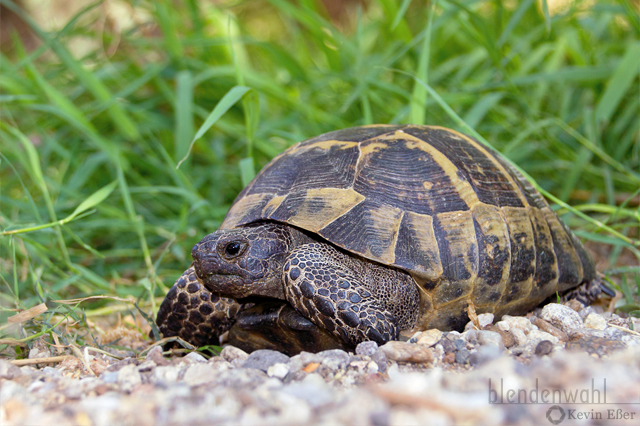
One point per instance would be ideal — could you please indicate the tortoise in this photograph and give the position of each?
(370, 232)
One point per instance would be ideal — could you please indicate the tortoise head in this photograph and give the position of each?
(243, 262)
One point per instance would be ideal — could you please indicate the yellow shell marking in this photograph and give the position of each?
(322, 206)
(326, 145)
(421, 227)
(241, 207)
(385, 223)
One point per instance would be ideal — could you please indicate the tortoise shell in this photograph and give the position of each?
(431, 201)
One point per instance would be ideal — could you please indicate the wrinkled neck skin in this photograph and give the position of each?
(255, 269)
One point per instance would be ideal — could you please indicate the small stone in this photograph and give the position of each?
(194, 357)
(485, 319)
(484, 338)
(484, 355)
(50, 371)
(451, 335)
(129, 377)
(551, 329)
(295, 376)
(231, 353)
(155, 355)
(8, 370)
(544, 347)
(449, 357)
(334, 359)
(535, 337)
(561, 316)
(614, 333)
(630, 340)
(14, 411)
(448, 346)
(574, 304)
(381, 360)
(462, 356)
(367, 348)
(302, 360)
(278, 370)
(166, 373)
(595, 345)
(507, 337)
(372, 367)
(509, 323)
(199, 373)
(584, 312)
(312, 389)
(146, 366)
(379, 418)
(519, 336)
(109, 376)
(407, 352)
(595, 322)
(430, 337)
(39, 350)
(262, 359)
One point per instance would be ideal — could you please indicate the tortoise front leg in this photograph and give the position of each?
(330, 289)
(194, 314)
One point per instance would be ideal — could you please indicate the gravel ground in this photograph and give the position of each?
(559, 364)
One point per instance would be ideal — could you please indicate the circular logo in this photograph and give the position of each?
(555, 414)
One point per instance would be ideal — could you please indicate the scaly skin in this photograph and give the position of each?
(193, 313)
(353, 299)
(347, 297)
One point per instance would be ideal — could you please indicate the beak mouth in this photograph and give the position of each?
(215, 278)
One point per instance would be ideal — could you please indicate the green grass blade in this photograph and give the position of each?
(583, 157)
(93, 200)
(514, 20)
(171, 40)
(481, 108)
(228, 100)
(247, 170)
(403, 9)
(38, 177)
(118, 116)
(618, 86)
(545, 13)
(635, 176)
(183, 113)
(419, 95)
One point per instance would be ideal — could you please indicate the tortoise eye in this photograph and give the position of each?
(234, 249)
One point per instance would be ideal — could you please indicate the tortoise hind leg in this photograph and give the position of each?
(193, 313)
(275, 324)
(588, 292)
(351, 298)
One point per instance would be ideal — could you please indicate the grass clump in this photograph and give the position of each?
(93, 203)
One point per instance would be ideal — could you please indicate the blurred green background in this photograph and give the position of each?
(99, 101)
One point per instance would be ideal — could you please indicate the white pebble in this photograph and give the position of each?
(509, 323)
(521, 338)
(595, 322)
(537, 336)
(485, 319)
(430, 337)
(279, 370)
(563, 317)
(129, 377)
